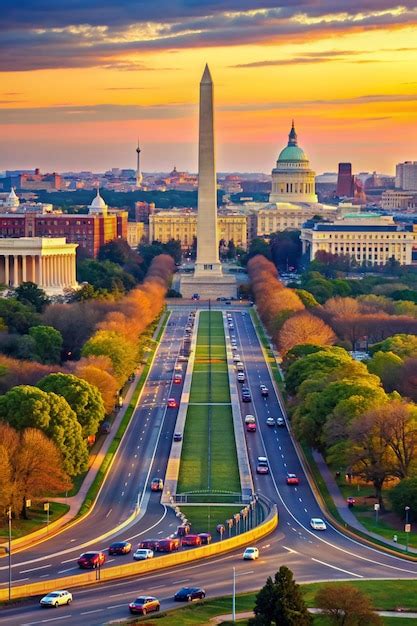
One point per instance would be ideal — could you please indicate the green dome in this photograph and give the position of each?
(292, 153)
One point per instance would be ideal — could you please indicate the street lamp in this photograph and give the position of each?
(407, 527)
(234, 596)
(9, 518)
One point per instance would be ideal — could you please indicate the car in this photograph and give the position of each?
(172, 403)
(183, 529)
(105, 428)
(205, 538)
(251, 554)
(236, 358)
(317, 523)
(170, 544)
(221, 299)
(262, 466)
(280, 421)
(120, 547)
(231, 326)
(249, 419)
(56, 598)
(91, 560)
(144, 605)
(251, 427)
(141, 554)
(182, 358)
(177, 436)
(157, 484)
(264, 391)
(188, 594)
(246, 397)
(195, 296)
(270, 421)
(148, 544)
(241, 377)
(191, 540)
(292, 479)
(234, 344)
(350, 500)
(177, 379)
(240, 367)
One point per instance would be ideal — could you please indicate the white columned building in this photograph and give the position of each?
(48, 262)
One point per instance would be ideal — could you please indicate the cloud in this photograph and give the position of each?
(310, 57)
(44, 34)
(294, 104)
(67, 114)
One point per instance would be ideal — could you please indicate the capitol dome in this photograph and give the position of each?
(292, 178)
(12, 200)
(98, 205)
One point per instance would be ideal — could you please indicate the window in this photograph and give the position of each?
(208, 266)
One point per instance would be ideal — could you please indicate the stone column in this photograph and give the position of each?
(7, 270)
(15, 270)
(24, 268)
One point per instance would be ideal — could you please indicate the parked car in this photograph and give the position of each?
(91, 560)
(120, 547)
(177, 436)
(317, 523)
(251, 554)
(56, 598)
(144, 605)
(205, 538)
(188, 594)
(172, 403)
(168, 545)
(264, 391)
(157, 484)
(280, 421)
(141, 554)
(105, 428)
(249, 419)
(270, 421)
(251, 427)
(191, 540)
(292, 479)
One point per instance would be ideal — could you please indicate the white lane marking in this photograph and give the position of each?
(107, 514)
(116, 606)
(183, 580)
(70, 569)
(290, 550)
(34, 569)
(117, 595)
(19, 580)
(243, 573)
(94, 611)
(67, 561)
(44, 621)
(339, 569)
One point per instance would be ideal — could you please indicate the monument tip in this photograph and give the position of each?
(206, 78)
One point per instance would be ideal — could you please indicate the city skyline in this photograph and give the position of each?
(79, 86)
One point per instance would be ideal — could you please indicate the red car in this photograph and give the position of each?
(168, 545)
(191, 540)
(292, 479)
(350, 501)
(144, 605)
(177, 379)
(91, 560)
(157, 484)
(251, 427)
(172, 403)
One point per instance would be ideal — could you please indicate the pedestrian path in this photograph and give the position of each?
(219, 619)
(344, 511)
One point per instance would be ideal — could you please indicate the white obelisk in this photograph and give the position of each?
(207, 263)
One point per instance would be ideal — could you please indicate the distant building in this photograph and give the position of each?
(136, 233)
(181, 225)
(406, 176)
(50, 182)
(143, 210)
(287, 216)
(345, 181)
(232, 184)
(394, 199)
(366, 237)
(49, 263)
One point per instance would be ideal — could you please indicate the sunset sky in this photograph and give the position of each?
(82, 79)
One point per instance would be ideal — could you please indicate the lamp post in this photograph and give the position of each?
(407, 527)
(9, 519)
(234, 596)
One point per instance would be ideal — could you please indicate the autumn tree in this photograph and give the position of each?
(98, 371)
(84, 399)
(406, 380)
(17, 316)
(345, 605)
(29, 407)
(122, 353)
(402, 345)
(304, 328)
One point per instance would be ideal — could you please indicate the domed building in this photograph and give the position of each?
(292, 178)
(12, 202)
(98, 206)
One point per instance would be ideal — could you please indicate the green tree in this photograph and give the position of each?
(386, 365)
(48, 343)
(231, 249)
(286, 248)
(265, 603)
(119, 252)
(402, 345)
(29, 293)
(307, 298)
(122, 353)
(317, 363)
(30, 407)
(290, 608)
(344, 605)
(84, 399)
(405, 494)
(257, 246)
(17, 316)
(105, 275)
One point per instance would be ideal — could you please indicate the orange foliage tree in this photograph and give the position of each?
(304, 328)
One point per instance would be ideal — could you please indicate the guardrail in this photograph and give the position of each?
(151, 565)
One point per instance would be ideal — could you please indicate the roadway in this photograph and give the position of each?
(142, 454)
(311, 555)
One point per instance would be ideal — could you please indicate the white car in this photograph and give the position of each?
(280, 421)
(317, 523)
(270, 421)
(56, 598)
(251, 554)
(236, 358)
(141, 554)
(250, 419)
(241, 377)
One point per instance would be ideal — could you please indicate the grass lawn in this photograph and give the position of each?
(208, 459)
(37, 520)
(386, 595)
(205, 518)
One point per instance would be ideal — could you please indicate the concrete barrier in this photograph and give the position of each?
(142, 567)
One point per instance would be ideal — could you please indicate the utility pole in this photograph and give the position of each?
(234, 596)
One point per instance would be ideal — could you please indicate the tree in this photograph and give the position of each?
(386, 365)
(345, 605)
(105, 275)
(406, 382)
(258, 246)
(319, 361)
(405, 494)
(402, 345)
(122, 353)
(29, 407)
(265, 603)
(48, 343)
(231, 249)
(29, 293)
(84, 399)
(17, 316)
(304, 328)
(307, 298)
(119, 252)
(98, 371)
(286, 248)
(290, 608)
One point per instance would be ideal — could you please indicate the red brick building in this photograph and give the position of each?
(50, 182)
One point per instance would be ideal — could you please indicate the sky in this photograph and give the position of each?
(82, 80)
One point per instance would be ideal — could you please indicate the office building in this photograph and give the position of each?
(406, 176)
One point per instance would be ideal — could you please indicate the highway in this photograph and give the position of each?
(312, 555)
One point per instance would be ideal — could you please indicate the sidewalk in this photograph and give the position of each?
(248, 614)
(343, 509)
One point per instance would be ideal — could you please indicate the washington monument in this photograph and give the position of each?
(208, 279)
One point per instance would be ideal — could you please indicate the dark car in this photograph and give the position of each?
(91, 560)
(246, 397)
(149, 544)
(188, 594)
(191, 540)
(264, 391)
(205, 538)
(350, 501)
(105, 428)
(168, 545)
(177, 436)
(183, 530)
(120, 547)
(144, 605)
